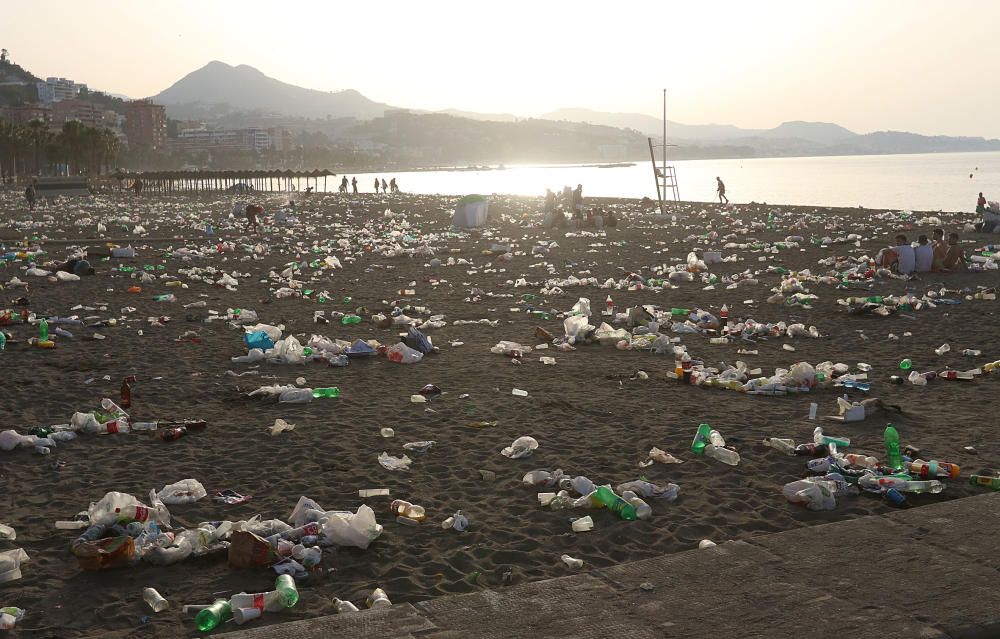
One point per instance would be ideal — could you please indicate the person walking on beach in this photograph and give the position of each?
(392, 186)
(578, 202)
(343, 185)
(385, 187)
(29, 195)
(376, 185)
(252, 211)
(721, 190)
(354, 184)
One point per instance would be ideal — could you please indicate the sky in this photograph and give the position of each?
(924, 66)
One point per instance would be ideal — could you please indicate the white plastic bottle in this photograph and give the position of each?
(155, 600)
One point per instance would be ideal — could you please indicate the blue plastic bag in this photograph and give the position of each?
(258, 339)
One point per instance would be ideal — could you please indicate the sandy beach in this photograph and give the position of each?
(591, 413)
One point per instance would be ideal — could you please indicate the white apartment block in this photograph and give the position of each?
(57, 90)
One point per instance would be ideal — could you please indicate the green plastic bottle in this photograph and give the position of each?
(3, 341)
(906, 364)
(680, 311)
(332, 391)
(700, 439)
(289, 593)
(43, 330)
(212, 616)
(614, 503)
(985, 481)
(892, 455)
(350, 319)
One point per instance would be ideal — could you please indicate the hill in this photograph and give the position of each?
(221, 88)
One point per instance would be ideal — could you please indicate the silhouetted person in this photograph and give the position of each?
(721, 190)
(354, 184)
(385, 187)
(343, 185)
(29, 195)
(137, 186)
(376, 185)
(578, 202)
(550, 201)
(981, 204)
(252, 211)
(392, 186)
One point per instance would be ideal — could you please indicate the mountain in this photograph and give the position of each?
(650, 125)
(219, 88)
(819, 132)
(490, 117)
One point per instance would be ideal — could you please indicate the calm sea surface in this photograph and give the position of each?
(918, 182)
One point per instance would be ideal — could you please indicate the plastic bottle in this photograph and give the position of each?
(43, 330)
(905, 365)
(934, 469)
(700, 439)
(143, 425)
(113, 426)
(405, 510)
(686, 368)
(820, 438)
(942, 349)
(213, 615)
(609, 306)
(342, 606)
(642, 509)
(289, 593)
(724, 317)
(986, 481)
(332, 391)
(724, 455)
(378, 599)
(892, 455)
(895, 498)
(786, 446)
(716, 439)
(3, 341)
(170, 297)
(154, 599)
(126, 391)
(616, 504)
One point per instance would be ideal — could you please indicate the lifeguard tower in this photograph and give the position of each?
(664, 174)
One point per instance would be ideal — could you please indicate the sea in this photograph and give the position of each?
(918, 182)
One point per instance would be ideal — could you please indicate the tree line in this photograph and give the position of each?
(35, 149)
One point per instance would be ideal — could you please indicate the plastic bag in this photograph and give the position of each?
(576, 327)
(10, 564)
(286, 351)
(403, 354)
(186, 491)
(582, 307)
(352, 529)
(418, 341)
(258, 340)
(522, 447)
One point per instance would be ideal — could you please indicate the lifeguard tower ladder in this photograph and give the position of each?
(665, 175)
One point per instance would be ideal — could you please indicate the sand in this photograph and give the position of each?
(588, 415)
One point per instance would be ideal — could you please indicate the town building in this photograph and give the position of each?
(146, 124)
(249, 139)
(57, 90)
(24, 113)
(86, 113)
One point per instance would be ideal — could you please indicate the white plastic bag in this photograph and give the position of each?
(352, 529)
(522, 447)
(186, 491)
(403, 354)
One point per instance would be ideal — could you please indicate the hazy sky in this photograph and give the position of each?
(918, 65)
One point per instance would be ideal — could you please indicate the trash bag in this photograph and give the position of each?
(258, 340)
(359, 348)
(186, 491)
(10, 564)
(576, 327)
(582, 307)
(403, 354)
(814, 495)
(286, 351)
(352, 529)
(418, 341)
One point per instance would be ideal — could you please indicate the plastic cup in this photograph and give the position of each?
(583, 524)
(243, 615)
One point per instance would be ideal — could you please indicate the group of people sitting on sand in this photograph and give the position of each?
(555, 217)
(937, 255)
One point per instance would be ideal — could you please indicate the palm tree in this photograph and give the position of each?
(39, 134)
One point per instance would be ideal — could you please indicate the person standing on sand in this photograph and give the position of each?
(354, 184)
(981, 204)
(343, 185)
(721, 190)
(376, 185)
(385, 187)
(392, 186)
(29, 195)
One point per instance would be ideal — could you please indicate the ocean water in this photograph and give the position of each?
(929, 182)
